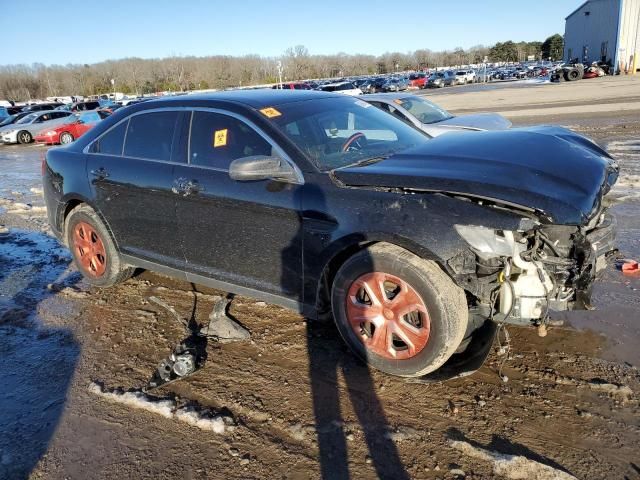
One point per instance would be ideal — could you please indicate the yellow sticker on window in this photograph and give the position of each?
(270, 112)
(398, 101)
(220, 138)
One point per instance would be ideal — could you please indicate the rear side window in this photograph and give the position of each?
(217, 139)
(150, 135)
(111, 142)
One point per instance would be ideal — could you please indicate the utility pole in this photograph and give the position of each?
(280, 73)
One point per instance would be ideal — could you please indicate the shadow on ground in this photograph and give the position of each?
(38, 358)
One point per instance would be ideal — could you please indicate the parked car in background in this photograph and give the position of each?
(27, 127)
(8, 111)
(441, 79)
(345, 88)
(418, 80)
(465, 76)
(395, 85)
(84, 106)
(11, 119)
(373, 85)
(76, 125)
(443, 239)
(292, 86)
(38, 107)
(432, 119)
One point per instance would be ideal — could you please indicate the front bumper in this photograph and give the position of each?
(551, 267)
(9, 137)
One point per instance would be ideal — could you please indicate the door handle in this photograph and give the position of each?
(100, 173)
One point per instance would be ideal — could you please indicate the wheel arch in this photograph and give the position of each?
(344, 248)
(70, 203)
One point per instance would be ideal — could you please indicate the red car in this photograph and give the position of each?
(67, 132)
(418, 80)
(293, 86)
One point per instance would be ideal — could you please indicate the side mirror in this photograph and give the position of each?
(261, 167)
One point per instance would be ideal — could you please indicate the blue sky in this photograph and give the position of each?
(89, 31)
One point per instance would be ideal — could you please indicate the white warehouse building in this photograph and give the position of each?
(604, 30)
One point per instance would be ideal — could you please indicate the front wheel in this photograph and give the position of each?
(400, 313)
(94, 252)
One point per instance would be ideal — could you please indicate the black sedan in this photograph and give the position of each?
(323, 203)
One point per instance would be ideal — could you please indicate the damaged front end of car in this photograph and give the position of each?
(519, 276)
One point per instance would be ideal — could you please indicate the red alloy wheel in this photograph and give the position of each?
(89, 249)
(388, 316)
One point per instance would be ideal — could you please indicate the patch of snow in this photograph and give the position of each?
(202, 419)
(513, 467)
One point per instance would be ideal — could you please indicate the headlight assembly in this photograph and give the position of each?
(487, 242)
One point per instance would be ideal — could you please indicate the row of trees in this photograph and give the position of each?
(141, 76)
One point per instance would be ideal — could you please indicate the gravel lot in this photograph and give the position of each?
(570, 405)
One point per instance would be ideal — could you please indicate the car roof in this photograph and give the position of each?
(258, 98)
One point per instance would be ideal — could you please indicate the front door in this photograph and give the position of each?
(244, 233)
(131, 170)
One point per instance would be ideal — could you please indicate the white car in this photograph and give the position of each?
(345, 88)
(465, 76)
(26, 128)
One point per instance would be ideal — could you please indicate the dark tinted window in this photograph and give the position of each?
(111, 142)
(217, 140)
(150, 135)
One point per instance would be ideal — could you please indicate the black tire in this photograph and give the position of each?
(114, 271)
(447, 311)
(573, 75)
(24, 137)
(66, 138)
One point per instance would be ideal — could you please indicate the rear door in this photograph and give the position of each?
(243, 233)
(131, 170)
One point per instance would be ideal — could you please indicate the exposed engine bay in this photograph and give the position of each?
(519, 276)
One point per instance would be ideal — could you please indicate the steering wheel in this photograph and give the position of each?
(357, 141)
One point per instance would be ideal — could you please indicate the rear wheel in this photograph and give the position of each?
(65, 138)
(397, 311)
(24, 137)
(94, 252)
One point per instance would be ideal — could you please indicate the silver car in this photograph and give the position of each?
(432, 119)
(26, 128)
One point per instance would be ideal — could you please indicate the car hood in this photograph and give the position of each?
(480, 121)
(558, 174)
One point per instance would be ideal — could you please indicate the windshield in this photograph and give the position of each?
(28, 119)
(424, 110)
(336, 132)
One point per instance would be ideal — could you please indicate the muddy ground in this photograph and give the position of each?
(570, 402)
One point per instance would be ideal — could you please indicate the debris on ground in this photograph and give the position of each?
(204, 419)
(629, 267)
(514, 467)
(223, 328)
